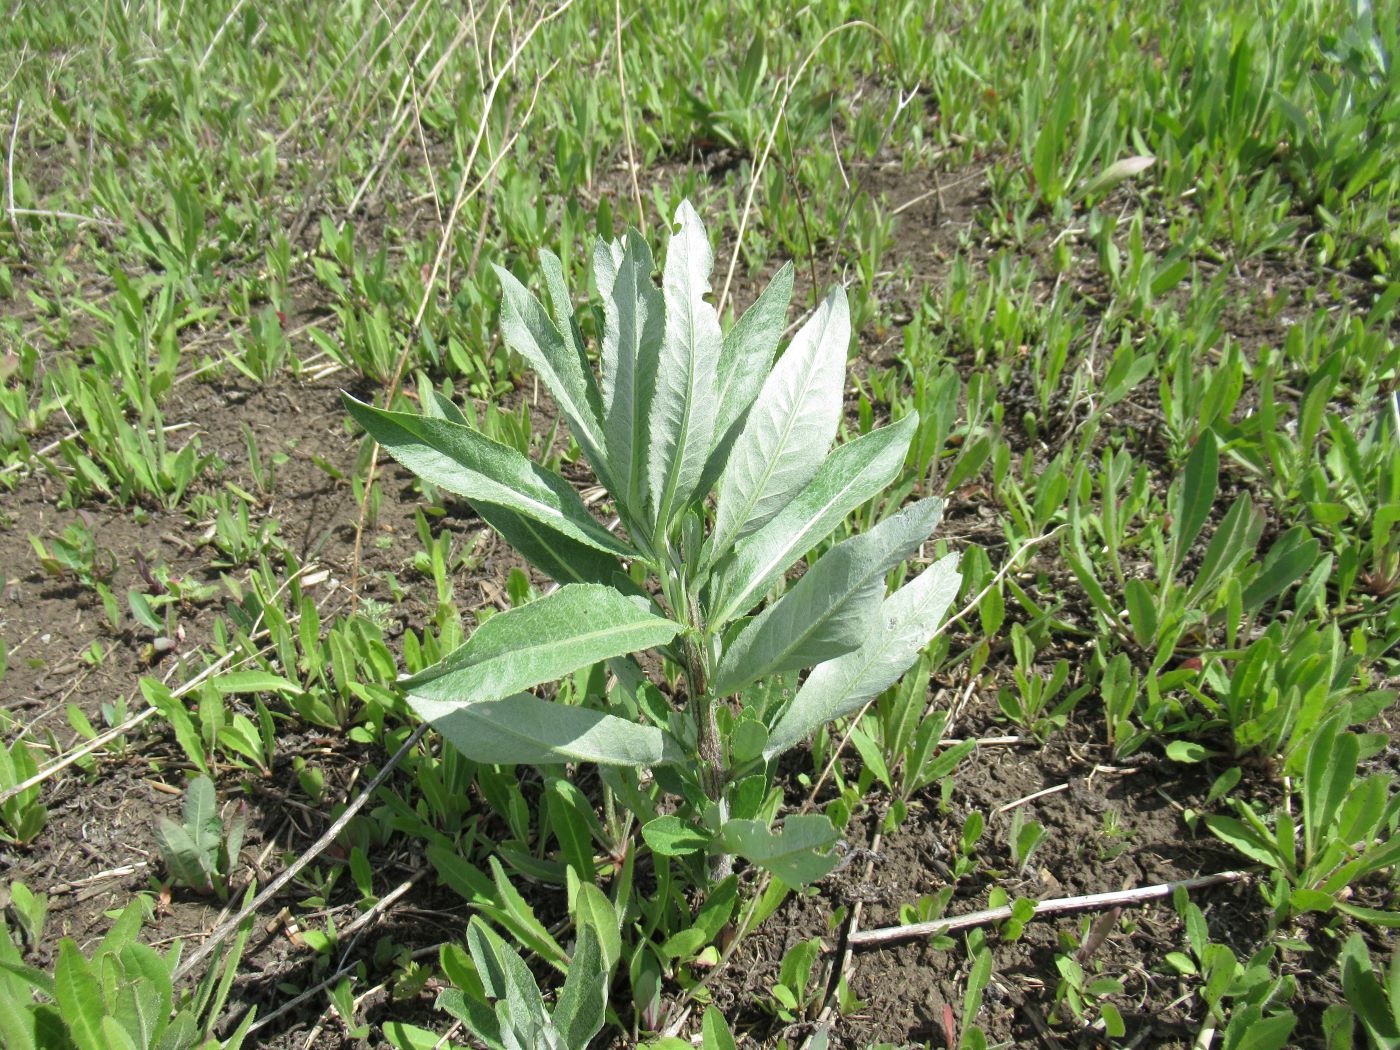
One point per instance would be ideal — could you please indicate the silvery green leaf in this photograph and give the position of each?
(523, 729)
(559, 360)
(506, 978)
(790, 427)
(580, 1009)
(577, 625)
(682, 420)
(744, 361)
(852, 474)
(566, 323)
(633, 327)
(796, 853)
(560, 558)
(832, 608)
(462, 460)
(909, 618)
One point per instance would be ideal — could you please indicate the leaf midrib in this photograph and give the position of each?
(783, 551)
(805, 388)
(588, 636)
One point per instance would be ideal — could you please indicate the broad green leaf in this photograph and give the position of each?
(745, 359)
(1257, 1032)
(1329, 775)
(789, 428)
(560, 362)
(114, 1036)
(683, 412)
(253, 682)
(671, 836)
(79, 997)
(410, 1037)
(715, 1032)
(16, 1023)
(1365, 995)
(578, 1014)
(504, 974)
(634, 321)
(1124, 168)
(525, 730)
(1194, 496)
(908, 619)
(1288, 561)
(577, 625)
(852, 474)
(462, 460)
(1243, 838)
(832, 608)
(1142, 612)
(1235, 537)
(593, 910)
(560, 557)
(795, 853)
(31, 975)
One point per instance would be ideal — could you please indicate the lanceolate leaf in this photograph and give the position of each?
(908, 619)
(79, 997)
(560, 558)
(1194, 495)
(567, 325)
(852, 474)
(560, 362)
(683, 412)
(577, 625)
(789, 428)
(832, 608)
(579, 1012)
(633, 327)
(461, 460)
(744, 362)
(523, 729)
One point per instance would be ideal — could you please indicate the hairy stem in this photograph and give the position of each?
(714, 777)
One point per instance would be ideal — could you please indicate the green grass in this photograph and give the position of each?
(1158, 397)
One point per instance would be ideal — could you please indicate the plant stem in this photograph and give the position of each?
(713, 774)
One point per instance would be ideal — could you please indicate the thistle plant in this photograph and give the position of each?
(720, 466)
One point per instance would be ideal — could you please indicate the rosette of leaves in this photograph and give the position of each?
(721, 468)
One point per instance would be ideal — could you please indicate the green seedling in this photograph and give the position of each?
(30, 909)
(683, 410)
(967, 1035)
(22, 816)
(1248, 999)
(1023, 837)
(898, 742)
(1347, 830)
(1086, 999)
(1035, 703)
(495, 997)
(1281, 689)
(201, 853)
(234, 534)
(1372, 1000)
(715, 1034)
(124, 460)
(342, 1001)
(264, 353)
(124, 995)
(796, 995)
(76, 554)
